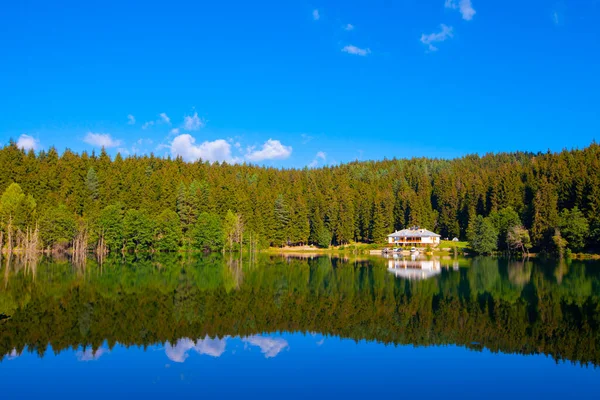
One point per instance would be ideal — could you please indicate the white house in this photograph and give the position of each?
(414, 236)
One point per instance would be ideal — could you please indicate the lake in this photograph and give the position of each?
(299, 327)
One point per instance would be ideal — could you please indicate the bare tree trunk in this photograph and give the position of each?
(9, 233)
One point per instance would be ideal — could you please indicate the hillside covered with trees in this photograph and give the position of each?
(547, 201)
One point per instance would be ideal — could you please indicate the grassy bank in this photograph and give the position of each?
(445, 247)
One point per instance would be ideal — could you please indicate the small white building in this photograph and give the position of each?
(414, 236)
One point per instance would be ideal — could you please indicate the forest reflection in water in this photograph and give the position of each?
(198, 304)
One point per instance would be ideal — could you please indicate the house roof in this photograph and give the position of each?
(414, 232)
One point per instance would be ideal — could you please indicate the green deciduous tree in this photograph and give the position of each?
(483, 237)
(574, 228)
(168, 231)
(208, 233)
(58, 227)
(503, 220)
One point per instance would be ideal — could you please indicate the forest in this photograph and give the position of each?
(543, 202)
(522, 307)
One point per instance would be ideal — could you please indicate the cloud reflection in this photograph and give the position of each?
(180, 352)
(270, 347)
(90, 355)
(13, 354)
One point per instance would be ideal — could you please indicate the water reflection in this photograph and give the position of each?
(413, 267)
(90, 354)
(269, 346)
(511, 306)
(416, 267)
(207, 346)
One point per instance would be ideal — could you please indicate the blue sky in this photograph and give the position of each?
(295, 83)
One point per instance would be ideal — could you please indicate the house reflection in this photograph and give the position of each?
(413, 267)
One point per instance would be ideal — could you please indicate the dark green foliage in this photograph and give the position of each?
(91, 183)
(323, 238)
(282, 221)
(138, 230)
(17, 208)
(168, 231)
(483, 236)
(358, 201)
(58, 227)
(574, 228)
(208, 233)
(110, 226)
(503, 220)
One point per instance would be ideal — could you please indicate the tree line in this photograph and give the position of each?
(507, 201)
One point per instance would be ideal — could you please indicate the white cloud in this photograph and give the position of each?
(321, 156)
(271, 150)
(270, 347)
(147, 124)
(464, 6)
(130, 119)
(349, 27)
(445, 33)
(350, 49)
(90, 355)
(316, 14)
(165, 118)
(101, 140)
(27, 142)
(218, 150)
(174, 131)
(180, 352)
(192, 123)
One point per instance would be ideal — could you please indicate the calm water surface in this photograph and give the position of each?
(182, 326)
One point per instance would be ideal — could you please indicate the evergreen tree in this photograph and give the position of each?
(91, 183)
(545, 213)
(110, 225)
(282, 219)
(138, 230)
